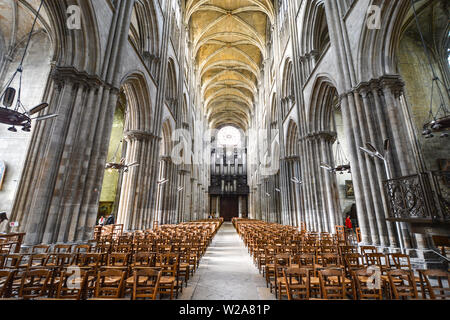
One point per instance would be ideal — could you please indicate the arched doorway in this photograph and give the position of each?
(112, 180)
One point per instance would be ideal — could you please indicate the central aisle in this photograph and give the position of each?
(227, 272)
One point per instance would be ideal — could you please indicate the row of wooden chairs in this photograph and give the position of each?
(99, 271)
(76, 284)
(332, 284)
(324, 256)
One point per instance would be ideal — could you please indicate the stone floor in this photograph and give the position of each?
(227, 272)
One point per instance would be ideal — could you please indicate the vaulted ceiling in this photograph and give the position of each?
(16, 20)
(229, 42)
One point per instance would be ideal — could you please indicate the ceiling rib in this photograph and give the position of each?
(229, 41)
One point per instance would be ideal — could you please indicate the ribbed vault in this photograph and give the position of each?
(229, 43)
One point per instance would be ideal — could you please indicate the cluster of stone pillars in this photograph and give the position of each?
(372, 112)
(135, 205)
(320, 195)
(58, 195)
(57, 199)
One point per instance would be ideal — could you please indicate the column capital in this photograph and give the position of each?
(291, 158)
(393, 83)
(328, 136)
(167, 159)
(62, 75)
(363, 89)
(140, 135)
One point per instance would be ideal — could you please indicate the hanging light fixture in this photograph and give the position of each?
(439, 121)
(114, 165)
(343, 165)
(17, 115)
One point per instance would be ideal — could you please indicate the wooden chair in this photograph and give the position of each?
(185, 267)
(441, 290)
(327, 260)
(13, 261)
(400, 261)
(340, 232)
(37, 261)
(193, 262)
(169, 264)
(281, 262)
(367, 249)
(62, 248)
(103, 248)
(91, 261)
(343, 250)
(358, 234)
(297, 283)
(34, 283)
(6, 246)
(82, 248)
(79, 250)
(6, 279)
(140, 260)
(40, 248)
(59, 260)
(146, 283)
(144, 247)
(332, 284)
(2, 259)
(260, 258)
(72, 284)
(164, 248)
(117, 261)
(267, 260)
(123, 248)
(353, 261)
(378, 259)
(402, 284)
(144, 259)
(110, 284)
(364, 291)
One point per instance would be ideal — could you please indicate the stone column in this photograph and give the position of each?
(58, 176)
(377, 134)
(134, 211)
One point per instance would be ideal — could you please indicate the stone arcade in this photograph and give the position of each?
(230, 108)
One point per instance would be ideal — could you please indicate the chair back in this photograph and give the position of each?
(441, 279)
(297, 283)
(72, 284)
(366, 289)
(146, 283)
(332, 284)
(40, 248)
(403, 284)
(110, 284)
(34, 283)
(6, 279)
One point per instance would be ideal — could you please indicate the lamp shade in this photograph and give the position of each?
(3, 217)
(8, 98)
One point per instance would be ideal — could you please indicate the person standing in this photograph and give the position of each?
(348, 223)
(110, 220)
(101, 221)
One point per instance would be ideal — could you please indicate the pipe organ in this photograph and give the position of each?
(229, 171)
